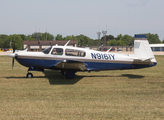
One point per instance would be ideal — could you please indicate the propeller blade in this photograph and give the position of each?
(14, 46)
(12, 63)
(14, 55)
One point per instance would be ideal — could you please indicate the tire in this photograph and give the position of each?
(70, 74)
(29, 75)
(62, 72)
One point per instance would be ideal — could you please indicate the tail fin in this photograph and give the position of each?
(142, 49)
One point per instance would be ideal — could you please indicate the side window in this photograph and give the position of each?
(57, 51)
(72, 52)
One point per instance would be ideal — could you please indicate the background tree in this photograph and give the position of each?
(93, 42)
(46, 36)
(30, 37)
(3, 41)
(163, 41)
(123, 40)
(59, 37)
(71, 37)
(153, 38)
(18, 41)
(120, 43)
(23, 36)
(126, 39)
(119, 37)
(83, 40)
(109, 37)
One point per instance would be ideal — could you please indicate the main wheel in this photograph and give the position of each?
(70, 74)
(29, 75)
(62, 72)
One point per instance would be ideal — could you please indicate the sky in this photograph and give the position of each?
(87, 17)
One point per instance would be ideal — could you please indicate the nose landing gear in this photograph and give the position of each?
(30, 75)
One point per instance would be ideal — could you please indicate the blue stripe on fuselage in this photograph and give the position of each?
(37, 62)
(95, 66)
(106, 66)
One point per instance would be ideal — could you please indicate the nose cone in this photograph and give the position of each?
(12, 55)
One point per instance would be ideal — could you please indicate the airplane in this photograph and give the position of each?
(70, 60)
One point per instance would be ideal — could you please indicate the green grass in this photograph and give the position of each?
(120, 95)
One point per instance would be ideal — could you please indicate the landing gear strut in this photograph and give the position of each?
(30, 75)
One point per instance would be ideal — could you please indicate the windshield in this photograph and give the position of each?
(47, 50)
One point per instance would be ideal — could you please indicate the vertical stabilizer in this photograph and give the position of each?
(142, 49)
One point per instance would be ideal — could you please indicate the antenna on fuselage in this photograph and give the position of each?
(109, 49)
(67, 43)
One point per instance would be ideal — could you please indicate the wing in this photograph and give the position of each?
(71, 64)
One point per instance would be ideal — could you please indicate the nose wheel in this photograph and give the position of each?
(29, 75)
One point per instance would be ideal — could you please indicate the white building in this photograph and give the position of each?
(157, 47)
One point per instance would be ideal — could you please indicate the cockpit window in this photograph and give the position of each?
(57, 51)
(47, 50)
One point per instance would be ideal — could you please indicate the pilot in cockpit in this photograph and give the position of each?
(57, 51)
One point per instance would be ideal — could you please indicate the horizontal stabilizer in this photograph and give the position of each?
(144, 60)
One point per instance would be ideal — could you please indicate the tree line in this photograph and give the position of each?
(7, 41)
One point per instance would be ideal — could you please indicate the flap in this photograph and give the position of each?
(71, 64)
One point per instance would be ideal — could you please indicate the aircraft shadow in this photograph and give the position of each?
(131, 76)
(55, 77)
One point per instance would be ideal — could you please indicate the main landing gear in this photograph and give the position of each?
(30, 75)
(69, 74)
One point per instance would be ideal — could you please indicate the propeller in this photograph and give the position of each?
(12, 63)
(13, 52)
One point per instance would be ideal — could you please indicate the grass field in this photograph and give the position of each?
(120, 95)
